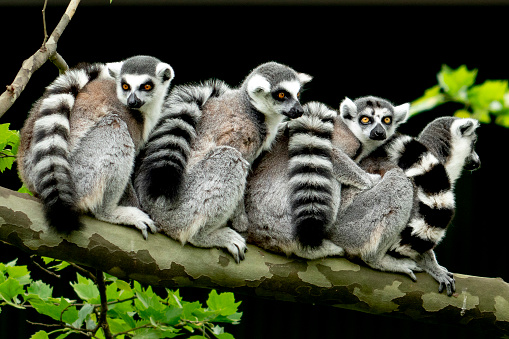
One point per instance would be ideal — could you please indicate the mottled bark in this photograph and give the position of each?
(337, 282)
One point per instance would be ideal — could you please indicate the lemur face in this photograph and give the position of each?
(277, 97)
(371, 119)
(139, 87)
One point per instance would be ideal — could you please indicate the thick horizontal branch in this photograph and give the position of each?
(121, 251)
(32, 64)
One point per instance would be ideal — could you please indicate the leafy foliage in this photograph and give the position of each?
(131, 310)
(9, 142)
(484, 102)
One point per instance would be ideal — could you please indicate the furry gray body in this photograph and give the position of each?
(234, 128)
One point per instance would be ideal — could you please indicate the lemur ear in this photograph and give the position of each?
(468, 127)
(401, 113)
(347, 109)
(165, 72)
(114, 68)
(304, 78)
(258, 84)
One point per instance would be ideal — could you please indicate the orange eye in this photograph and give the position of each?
(125, 87)
(387, 120)
(298, 95)
(364, 120)
(281, 95)
(147, 87)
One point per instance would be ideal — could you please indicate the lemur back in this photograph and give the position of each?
(234, 126)
(79, 142)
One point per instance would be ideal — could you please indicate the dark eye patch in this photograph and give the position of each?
(281, 95)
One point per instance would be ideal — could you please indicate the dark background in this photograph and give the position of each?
(389, 51)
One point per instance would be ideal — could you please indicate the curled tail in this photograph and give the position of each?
(434, 206)
(311, 173)
(165, 154)
(50, 147)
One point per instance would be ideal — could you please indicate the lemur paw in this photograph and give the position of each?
(237, 247)
(144, 223)
(446, 281)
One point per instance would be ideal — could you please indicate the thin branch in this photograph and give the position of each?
(84, 271)
(43, 268)
(32, 64)
(104, 305)
(44, 24)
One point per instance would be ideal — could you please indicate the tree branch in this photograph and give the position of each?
(32, 64)
(337, 282)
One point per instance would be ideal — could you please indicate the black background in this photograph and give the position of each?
(388, 51)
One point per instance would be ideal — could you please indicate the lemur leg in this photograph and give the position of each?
(101, 168)
(347, 172)
(428, 262)
(213, 191)
(371, 221)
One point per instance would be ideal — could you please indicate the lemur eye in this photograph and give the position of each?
(387, 120)
(281, 95)
(365, 120)
(298, 94)
(147, 87)
(125, 87)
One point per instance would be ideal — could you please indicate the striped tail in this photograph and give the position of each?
(434, 208)
(50, 147)
(166, 152)
(311, 173)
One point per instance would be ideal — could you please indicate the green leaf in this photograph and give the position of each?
(9, 289)
(224, 303)
(40, 335)
(20, 273)
(86, 290)
(85, 311)
(431, 99)
(39, 288)
(483, 96)
(55, 311)
(455, 82)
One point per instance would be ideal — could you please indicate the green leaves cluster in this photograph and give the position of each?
(9, 142)
(132, 311)
(482, 102)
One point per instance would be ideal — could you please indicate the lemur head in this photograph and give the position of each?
(452, 140)
(142, 82)
(274, 89)
(371, 119)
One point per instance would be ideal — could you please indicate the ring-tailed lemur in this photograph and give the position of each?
(373, 120)
(235, 126)
(78, 144)
(311, 155)
(433, 162)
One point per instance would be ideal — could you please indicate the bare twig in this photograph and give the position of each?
(104, 305)
(43, 268)
(84, 271)
(33, 63)
(44, 24)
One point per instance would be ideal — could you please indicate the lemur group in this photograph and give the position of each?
(220, 166)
